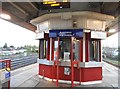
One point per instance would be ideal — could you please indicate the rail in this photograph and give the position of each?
(117, 66)
(21, 62)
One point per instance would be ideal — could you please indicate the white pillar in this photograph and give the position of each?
(50, 48)
(83, 47)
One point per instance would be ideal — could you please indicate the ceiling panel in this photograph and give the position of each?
(25, 11)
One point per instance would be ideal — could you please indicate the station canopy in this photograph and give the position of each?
(22, 12)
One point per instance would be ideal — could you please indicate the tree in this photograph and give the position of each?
(5, 45)
(12, 46)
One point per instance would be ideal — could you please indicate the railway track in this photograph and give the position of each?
(24, 61)
(118, 66)
(21, 62)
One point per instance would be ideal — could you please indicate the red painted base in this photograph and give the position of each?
(87, 74)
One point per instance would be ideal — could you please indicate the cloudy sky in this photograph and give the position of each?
(111, 41)
(18, 36)
(15, 35)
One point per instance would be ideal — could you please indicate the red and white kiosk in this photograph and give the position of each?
(70, 46)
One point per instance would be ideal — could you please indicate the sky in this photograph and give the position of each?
(15, 35)
(111, 41)
(18, 36)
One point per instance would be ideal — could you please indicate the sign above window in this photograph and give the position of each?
(66, 33)
(98, 35)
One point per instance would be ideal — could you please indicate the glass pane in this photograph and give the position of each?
(55, 49)
(65, 48)
(76, 44)
(44, 49)
(94, 50)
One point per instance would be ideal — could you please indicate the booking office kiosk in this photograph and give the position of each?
(70, 46)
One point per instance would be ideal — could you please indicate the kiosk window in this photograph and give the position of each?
(64, 48)
(55, 49)
(43, 48)
(76, 53)
(94, 50)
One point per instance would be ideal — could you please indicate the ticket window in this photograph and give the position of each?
(95, 50)
(64, 48)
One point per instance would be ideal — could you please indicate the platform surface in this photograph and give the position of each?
(28, 77)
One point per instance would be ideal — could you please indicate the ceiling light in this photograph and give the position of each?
(5, 16)
(49, 2)
(111, 30)
(61, 7)
(95, 22)
(57, 4)
(65, 0)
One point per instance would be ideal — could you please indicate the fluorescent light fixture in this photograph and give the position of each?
(65, 0)
(5, 16)
(95, 22)
(111, 30)
(57, 4)
(49, 2)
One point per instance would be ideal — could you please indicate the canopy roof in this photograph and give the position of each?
(23, 12)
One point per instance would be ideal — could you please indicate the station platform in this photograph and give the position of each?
(28, 77)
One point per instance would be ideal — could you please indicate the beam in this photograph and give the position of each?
(101, 6)
(19, 8)
(33, 6)
(14, 19)
(114, 22)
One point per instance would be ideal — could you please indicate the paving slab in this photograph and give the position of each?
(28, 77)
(23, 75)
